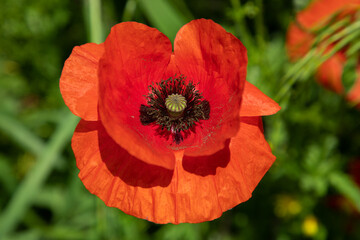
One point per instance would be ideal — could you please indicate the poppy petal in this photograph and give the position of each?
(198, 189)
(298, 42)
(171, 70)
(110, 172)
(206, 54)
(254, 152)
(204, 43)
(228, 177)
(319, 11)
(256, 103)
(329, 74)
(79, 80)
(135, 56)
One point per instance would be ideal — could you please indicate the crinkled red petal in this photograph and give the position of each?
(256, 103)
(79, 80)
(135, 56)
(206, 54)
(198, 189)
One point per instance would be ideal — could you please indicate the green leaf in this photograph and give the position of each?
(346, 186)
(129, 10)
(163, 16)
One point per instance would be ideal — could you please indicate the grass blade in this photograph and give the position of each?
(346, 186)
(20, 134)
(33, 181)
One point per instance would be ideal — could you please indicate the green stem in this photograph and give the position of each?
(353, 28)
(353, 49)
(330, 31)
(259, 25)
(291, 76)
(33, 181)
(240, 25)
(337, 47)
(95, 26)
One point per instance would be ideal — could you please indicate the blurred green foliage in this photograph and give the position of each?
(307, 194)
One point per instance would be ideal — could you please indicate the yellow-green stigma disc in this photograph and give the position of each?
(175, 104)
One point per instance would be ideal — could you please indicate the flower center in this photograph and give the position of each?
(175, 107)
(175, 104)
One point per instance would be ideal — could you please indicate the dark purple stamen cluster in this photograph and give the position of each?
(155, 112)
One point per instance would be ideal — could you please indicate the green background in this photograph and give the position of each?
(316, 135)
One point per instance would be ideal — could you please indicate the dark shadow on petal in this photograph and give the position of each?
(256, 121)
(131, 170)
(251, 120)
(207, 165)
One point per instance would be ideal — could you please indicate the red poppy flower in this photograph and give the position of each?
(300, 36)
(168, 136)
